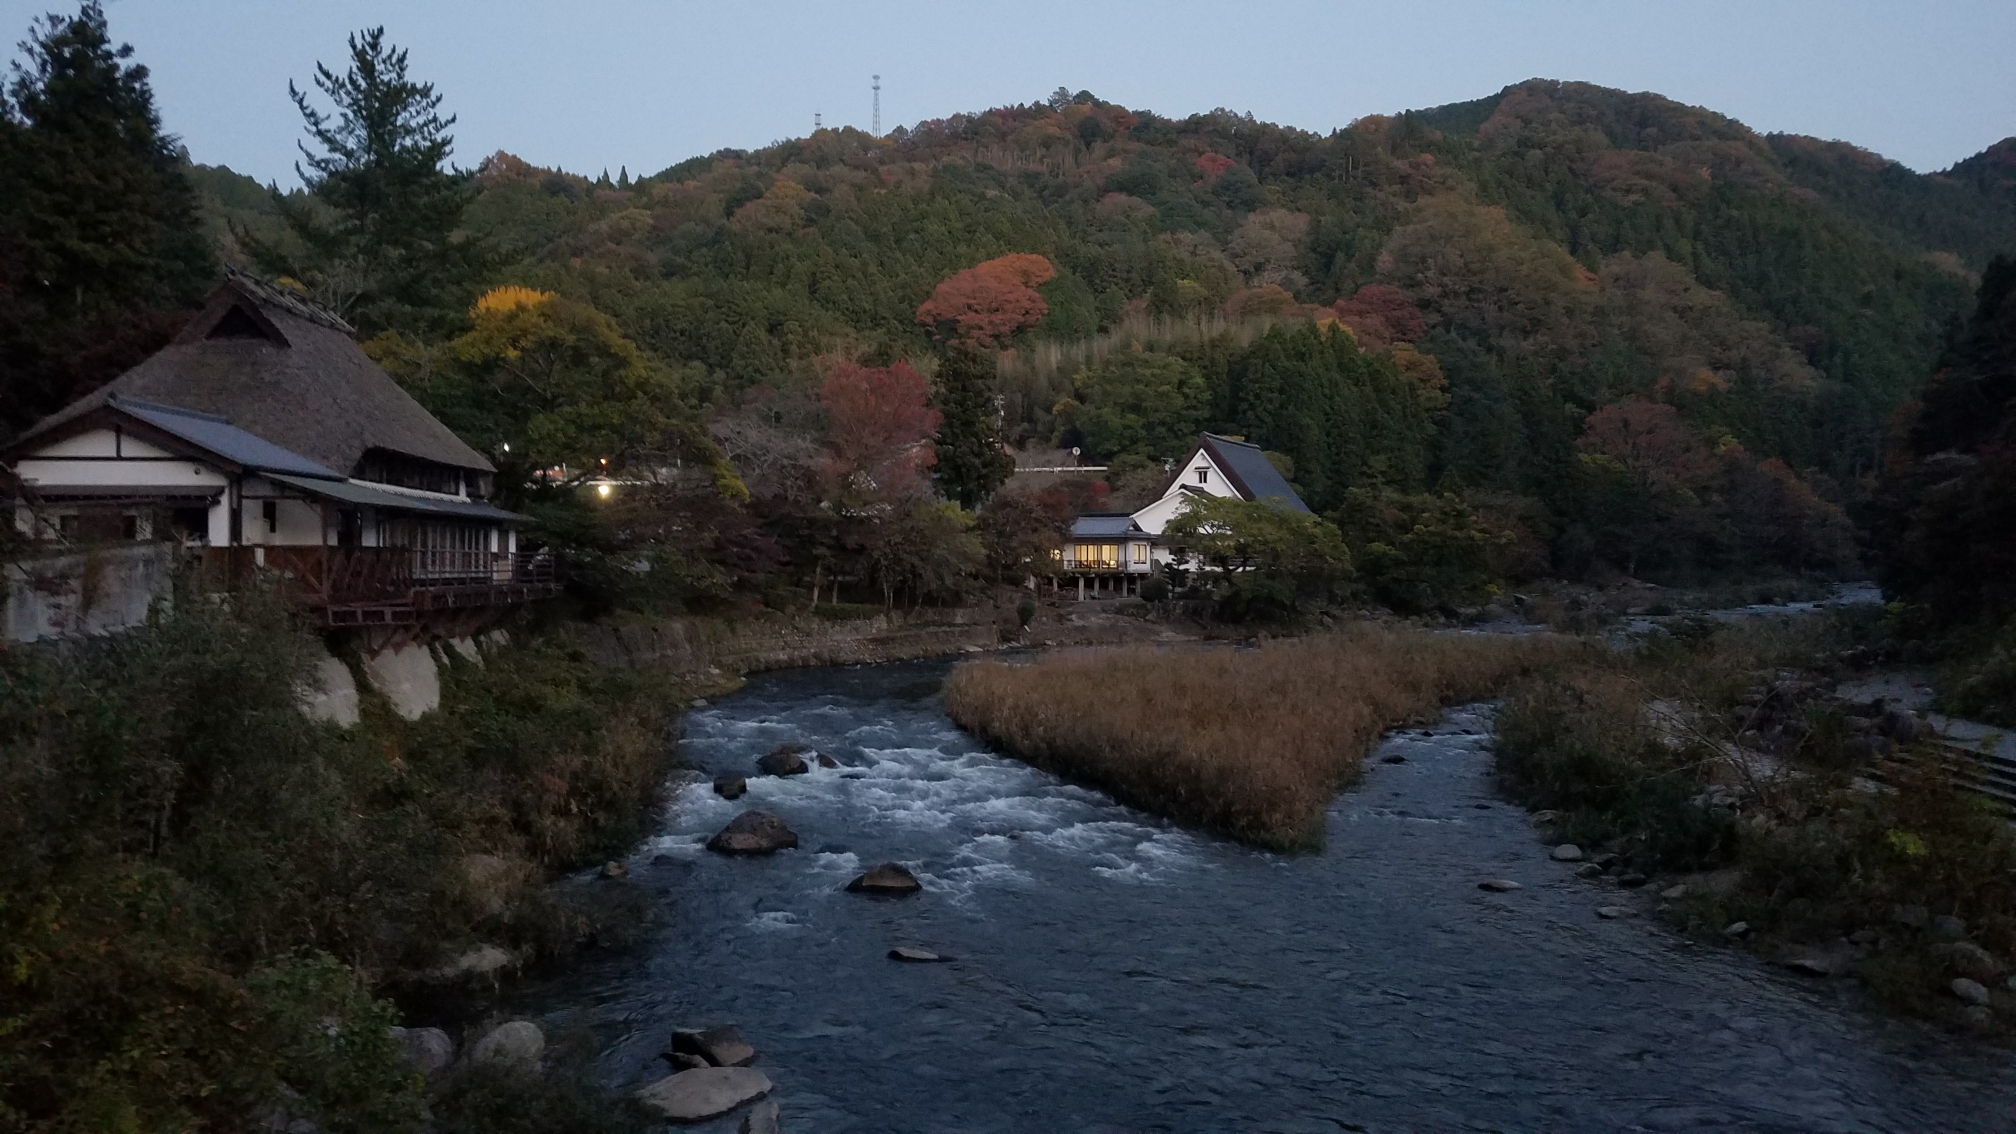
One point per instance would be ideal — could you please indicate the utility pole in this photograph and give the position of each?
(875, 123)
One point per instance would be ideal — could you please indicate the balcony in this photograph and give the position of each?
(390, 586)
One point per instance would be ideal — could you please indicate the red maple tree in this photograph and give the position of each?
(1381, 316)
(879, 427)
(1650, 441)
(987, 303)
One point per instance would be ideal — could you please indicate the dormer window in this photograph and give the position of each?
(1203, 476)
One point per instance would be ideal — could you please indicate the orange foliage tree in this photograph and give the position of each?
(987, 303)
(1650, 441)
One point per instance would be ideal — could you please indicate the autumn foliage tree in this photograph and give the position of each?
(879, 430)
(988, 303)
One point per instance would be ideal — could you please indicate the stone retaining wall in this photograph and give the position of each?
(86, 593)
(775, 641)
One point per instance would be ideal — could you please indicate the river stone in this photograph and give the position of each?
(721, 1047)
(426, 1050)
(519, 1043)
(707, 1092)
(753, 832)
(888, 878)
(1611, 913)
(761, 1119)
(686, 1061)
(1978, 1016)
(1631, 881)
(909, 953)
(1568, 852)
(730, 787)
(1970, 959)
(1674, 893)
(1395, 758)
(483, 961)
(1736, 929)
(1972, 991)
(1949, 927)
(1811, 966)
(1498, 885)
(785, 761)
(1588, 870)
(615, 868)
(826, 761)
(1543, 818)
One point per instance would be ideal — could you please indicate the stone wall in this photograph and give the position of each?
(86, 592)
(775, 641)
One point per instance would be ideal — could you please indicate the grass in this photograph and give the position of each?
(1247, 743)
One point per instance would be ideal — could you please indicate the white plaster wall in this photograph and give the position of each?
(331, 694)
(408, 677)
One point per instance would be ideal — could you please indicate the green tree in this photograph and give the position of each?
(101, 242)
(1261, 561)
(971, 460)
(1139, 404)
(1417, 551)
(377, 238)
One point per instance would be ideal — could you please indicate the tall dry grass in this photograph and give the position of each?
(1247, 743)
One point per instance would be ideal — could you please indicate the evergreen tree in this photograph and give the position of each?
(971, 461)
(101, 242)
(376, 239)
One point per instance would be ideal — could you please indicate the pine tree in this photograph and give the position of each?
(377, 238)
(971, 460)
(101, 240)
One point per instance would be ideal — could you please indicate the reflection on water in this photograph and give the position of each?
(1114, 973)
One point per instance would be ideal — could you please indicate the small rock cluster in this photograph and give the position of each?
(712, 1077)
(1772, 717)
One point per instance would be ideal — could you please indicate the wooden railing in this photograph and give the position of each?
(350, 576)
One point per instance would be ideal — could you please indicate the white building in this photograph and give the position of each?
(264, 437)
(1111, 552)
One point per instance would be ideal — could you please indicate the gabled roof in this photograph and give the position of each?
(215, 433)
(1253, 476)
(285, 371)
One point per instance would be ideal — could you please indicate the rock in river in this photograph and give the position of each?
(1567, 852)
(721, 1047)
(761, 1119)
(785, 761)
(691, 1096)
(1612, 913)
(519, 1044)
(888, 878)
(753, 832)
(908, 953)
(1969, 990)
(426, 1050)
(730, 787)
(1498, 885)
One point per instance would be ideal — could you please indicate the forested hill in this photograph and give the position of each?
(1551, 250)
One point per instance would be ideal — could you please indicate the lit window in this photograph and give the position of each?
(1203, 476)
(1140, 553)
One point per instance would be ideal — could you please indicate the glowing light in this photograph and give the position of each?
(603, 491)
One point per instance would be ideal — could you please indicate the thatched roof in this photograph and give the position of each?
(286, 371)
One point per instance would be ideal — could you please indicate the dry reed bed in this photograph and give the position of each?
(1251, 743)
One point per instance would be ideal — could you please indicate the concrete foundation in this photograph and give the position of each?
(408, 677)
(334, 696)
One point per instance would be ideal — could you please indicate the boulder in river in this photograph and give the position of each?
(1811, 966)
(888, 878)
(1588, 870)
(1674, 893)
(1949, 927)
(826, 761)
(703, 1093)
(426, 1050)
(1498, 885)
(915, 955)
(686, 1061)
(761, 1119)
(720, 1047)
(1568, 852)
(1543, 818)
(1968, 959)
(730, 787)
(786, 760)
(1972, 991)
(518, 1044)
(1736, 929)
(753, 832)
(1612, 913)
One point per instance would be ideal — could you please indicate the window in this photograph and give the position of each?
(1140, 553)
(1203, 476)
(129, 526)
(271, 510)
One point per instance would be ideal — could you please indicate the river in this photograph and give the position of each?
(1113, 973)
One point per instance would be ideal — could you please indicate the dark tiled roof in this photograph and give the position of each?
(1108, 525)
(1251, 472)
(351, 492)
(216, 434)
(293, 377)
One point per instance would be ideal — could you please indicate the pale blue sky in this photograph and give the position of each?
(645, 83)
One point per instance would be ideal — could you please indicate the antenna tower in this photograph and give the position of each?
(815, 122)
(875, 126)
